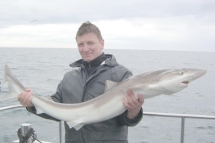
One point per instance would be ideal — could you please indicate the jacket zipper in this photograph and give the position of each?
(88, 77)
(89, 65)
(84, 83)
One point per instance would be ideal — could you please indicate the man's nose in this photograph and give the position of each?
(85, 48)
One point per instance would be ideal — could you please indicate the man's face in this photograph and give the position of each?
(89, 46)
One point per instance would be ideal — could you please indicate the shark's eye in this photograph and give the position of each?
(182, 72)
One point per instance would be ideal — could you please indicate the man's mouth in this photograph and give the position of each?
(87, 55)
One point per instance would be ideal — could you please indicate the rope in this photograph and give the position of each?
(30, 136)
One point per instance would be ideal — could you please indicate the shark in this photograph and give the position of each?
(150, 84)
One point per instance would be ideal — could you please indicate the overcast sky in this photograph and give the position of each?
(182, 25)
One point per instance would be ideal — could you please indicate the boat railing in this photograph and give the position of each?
(181, 116)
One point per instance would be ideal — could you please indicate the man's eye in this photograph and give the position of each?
(80, 45)
(90, 43)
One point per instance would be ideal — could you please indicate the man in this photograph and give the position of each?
(86, 82)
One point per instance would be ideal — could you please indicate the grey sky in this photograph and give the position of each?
(131, 24)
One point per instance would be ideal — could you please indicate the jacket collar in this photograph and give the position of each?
(110, 61)
(96, 62)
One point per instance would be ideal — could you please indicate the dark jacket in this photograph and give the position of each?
(77, 86)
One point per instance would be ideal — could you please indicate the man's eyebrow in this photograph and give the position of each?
(79, 42)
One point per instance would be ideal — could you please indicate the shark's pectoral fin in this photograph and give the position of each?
(75, 125)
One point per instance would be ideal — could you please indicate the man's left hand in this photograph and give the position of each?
(133, 104)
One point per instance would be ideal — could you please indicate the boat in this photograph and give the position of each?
(183, 118)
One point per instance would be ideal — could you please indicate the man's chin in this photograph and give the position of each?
(88, 59)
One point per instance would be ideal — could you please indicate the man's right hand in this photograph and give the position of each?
(25, 98)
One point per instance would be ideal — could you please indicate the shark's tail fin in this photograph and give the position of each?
(15, 87)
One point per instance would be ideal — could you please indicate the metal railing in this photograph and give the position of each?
(20, 106)
(10, 107)
(182, 116)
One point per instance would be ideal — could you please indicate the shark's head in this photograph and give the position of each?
(178, 79)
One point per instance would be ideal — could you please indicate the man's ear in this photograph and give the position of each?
(102, 43)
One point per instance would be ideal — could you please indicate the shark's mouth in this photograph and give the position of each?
(185, 82)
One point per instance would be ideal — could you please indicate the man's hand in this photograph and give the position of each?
(25, 98)
(133, 104)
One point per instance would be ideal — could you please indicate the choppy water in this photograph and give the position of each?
(42, 70)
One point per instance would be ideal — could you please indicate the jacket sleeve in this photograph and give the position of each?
(123, 74)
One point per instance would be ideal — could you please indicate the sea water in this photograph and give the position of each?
(42, 69)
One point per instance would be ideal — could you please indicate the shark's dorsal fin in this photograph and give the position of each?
(110, 84)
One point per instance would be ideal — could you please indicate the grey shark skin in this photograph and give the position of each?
(149, 84)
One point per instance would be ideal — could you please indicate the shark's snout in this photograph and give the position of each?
(198, 74)
(193, 74)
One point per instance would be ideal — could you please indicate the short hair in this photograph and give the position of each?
(86, 28)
